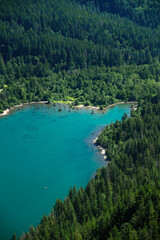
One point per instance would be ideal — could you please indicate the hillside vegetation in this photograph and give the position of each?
(94, 52)
(50, 50)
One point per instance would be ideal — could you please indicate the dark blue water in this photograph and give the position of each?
(43, 153)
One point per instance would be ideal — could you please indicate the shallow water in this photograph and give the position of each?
(43, 153)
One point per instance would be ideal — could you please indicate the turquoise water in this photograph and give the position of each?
(42, 153)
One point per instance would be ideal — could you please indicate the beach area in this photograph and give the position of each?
(109, 106)
(7, 111)
(103, 150)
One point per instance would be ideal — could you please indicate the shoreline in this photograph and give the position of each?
(7, 111)
(106, 108)
(103, 150)
(114, 104)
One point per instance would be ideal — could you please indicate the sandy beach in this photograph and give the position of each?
(6, 112)
(82, 106)
(103, 151)
(112, 105)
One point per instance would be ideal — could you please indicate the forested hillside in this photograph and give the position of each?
(97, 53)
(142, 12)
(52, 50)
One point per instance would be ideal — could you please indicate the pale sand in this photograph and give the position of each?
(6, 112)
(79, 106)
(112, 105)
(94, 141)
(97, 108)
(103, 151)
(82, 106)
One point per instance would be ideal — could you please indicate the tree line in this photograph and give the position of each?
(96, 53)
(97, 86)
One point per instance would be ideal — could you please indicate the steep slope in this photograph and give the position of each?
(50, 50)
(93, 52)
(145, 12)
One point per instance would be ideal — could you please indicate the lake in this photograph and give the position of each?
(44, 152)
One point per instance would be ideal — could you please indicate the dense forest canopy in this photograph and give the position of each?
(52, 50)
(142, 12)
(97, 53)
(64, 35)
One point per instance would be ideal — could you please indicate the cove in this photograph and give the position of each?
(44, 152)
